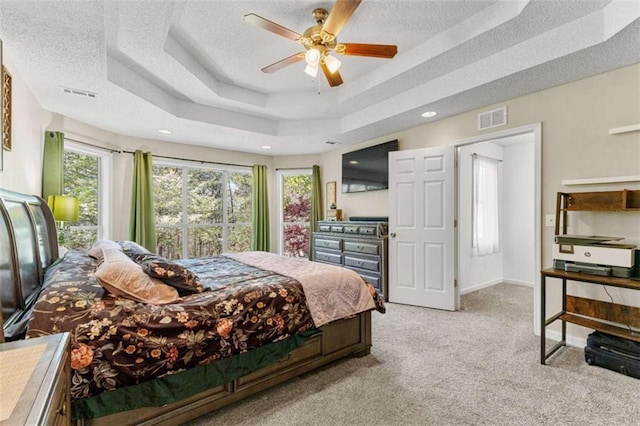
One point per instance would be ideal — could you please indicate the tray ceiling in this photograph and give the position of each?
(194, 66)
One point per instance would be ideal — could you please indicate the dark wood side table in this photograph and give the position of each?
(36, 380)
(594, 314)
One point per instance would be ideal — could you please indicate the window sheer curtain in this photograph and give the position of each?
(259, 209)
(485, 201)
(316, 203)
(142, 227)
(53, 164)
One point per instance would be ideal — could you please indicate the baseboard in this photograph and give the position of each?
(578, 342)
(480, 286)
(518, 282)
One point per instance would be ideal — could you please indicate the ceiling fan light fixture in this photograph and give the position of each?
(332, 63)
(311, 70)
(312, 57)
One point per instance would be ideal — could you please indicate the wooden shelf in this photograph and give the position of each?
(601, 326)
(602, 201)
(592, 279)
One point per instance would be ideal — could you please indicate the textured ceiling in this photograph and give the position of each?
(194, 66)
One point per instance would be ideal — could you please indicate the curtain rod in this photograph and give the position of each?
(188, 159)
(484, 156)
(111, 150)
(123, 151)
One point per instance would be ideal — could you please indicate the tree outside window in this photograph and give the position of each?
(201, 211)
(296, 214)
(82, 180)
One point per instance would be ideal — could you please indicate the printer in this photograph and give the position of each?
(595, 255)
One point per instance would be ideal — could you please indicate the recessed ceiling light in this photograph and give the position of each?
(165, 131)
(265, 147)
(429, 114)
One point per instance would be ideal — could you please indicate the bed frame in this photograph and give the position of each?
(28, 245)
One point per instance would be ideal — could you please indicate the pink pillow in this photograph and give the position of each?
(122, 277)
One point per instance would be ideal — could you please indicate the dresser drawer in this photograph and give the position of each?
(371, 277)
(324, 228)
(357, 262)
(362, 247)
(337, 228)
(367, 230)
(323, 256)
(335, 244)
(351, 229)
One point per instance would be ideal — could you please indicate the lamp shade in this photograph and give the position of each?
(64, 208)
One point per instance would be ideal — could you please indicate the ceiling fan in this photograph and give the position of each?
(320, 40)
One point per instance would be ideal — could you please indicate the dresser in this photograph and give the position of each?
(358, 245)
(37, 380)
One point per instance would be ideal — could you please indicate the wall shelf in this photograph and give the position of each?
(602, 180)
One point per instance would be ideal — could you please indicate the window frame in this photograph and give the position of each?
(105, 173)
(281, 174)
(184, 225)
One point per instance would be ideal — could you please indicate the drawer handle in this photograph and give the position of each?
(287, 359)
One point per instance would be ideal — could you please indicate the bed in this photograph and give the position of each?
(247, 322)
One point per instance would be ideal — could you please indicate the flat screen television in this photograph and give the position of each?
(367, 169)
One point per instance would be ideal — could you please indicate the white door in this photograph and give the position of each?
(421, 228)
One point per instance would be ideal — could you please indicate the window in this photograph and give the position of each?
(87, 173)
(485, 219)
(201, 211)
(295, 212)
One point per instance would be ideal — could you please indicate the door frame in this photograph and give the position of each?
(536, 130)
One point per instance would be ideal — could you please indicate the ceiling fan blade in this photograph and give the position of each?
(339, 15)
(372, 50)
(266, 24)
(334, 79)
(283, 63)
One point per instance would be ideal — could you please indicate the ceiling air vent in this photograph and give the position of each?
(79, 92)
(493, 118)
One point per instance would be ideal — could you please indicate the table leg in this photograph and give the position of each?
(543, 319)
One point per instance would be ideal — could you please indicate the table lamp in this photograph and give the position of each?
(65, 209)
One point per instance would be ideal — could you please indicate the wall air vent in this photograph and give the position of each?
(493, 118)
(79, 92)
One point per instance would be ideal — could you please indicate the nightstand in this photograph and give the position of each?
(35, 380)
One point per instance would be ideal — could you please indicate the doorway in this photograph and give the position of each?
(521, 168)
(511, 254)
(419, 203)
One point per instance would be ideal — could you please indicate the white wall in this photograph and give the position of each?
(22, 166)
(519, 208)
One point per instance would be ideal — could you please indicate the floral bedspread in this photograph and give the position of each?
(118, 342)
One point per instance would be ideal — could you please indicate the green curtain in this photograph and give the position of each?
(142, 228)
(260, 209)
(53, 164)
(316, 204)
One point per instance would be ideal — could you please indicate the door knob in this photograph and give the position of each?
(393, 235)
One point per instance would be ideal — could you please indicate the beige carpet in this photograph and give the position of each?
(477, 366)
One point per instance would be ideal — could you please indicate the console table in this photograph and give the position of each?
(588, 313)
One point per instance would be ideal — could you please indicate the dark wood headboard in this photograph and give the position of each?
(28, 245)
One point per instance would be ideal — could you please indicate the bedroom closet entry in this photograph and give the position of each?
(437, 251)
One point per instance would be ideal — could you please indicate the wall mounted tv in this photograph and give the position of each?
(367, 169)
